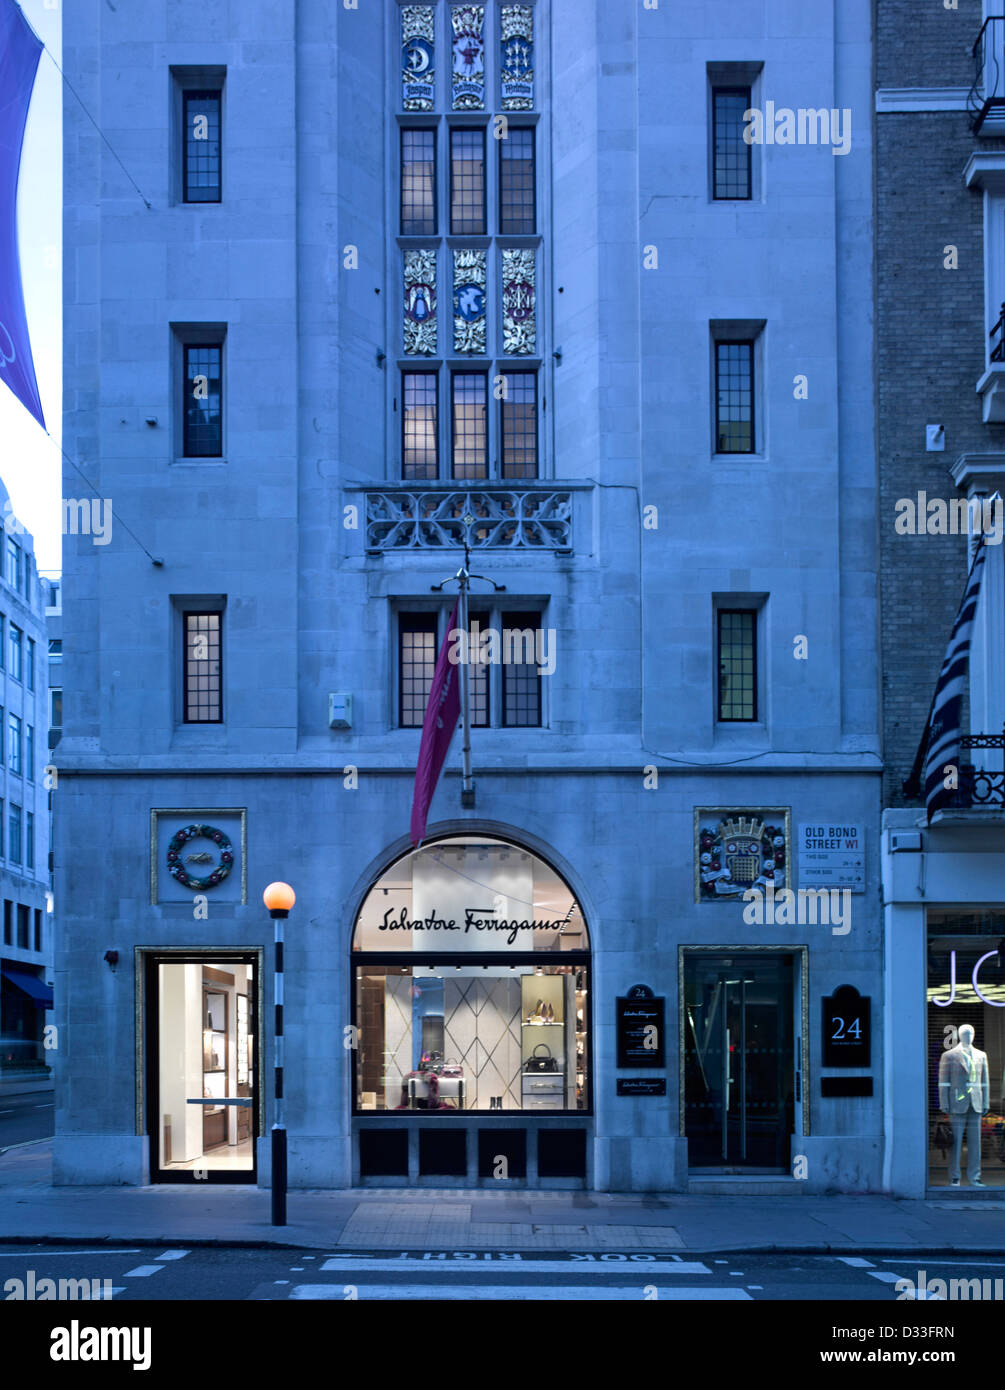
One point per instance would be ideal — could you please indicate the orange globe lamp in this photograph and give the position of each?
(279, 899)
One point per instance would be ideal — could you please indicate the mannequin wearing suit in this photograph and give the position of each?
(964, 1098)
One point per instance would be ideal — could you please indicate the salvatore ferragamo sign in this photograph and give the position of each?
(477, 919)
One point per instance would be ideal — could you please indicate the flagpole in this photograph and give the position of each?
(463, 579)
(467, 786)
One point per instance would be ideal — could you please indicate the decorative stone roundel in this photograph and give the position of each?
(176, 866)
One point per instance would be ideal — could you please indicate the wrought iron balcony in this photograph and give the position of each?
(991, 386)
(997, 336)
(978, 786)
(493, 517)
(986, 100)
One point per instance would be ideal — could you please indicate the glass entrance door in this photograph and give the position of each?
(203, 1068)
(739, 1060)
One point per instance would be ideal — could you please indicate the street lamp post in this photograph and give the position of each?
(279, 898)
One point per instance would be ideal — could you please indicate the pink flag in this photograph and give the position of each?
(442, 714)
(19, 54)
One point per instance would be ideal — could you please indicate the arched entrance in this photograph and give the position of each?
(470, 977)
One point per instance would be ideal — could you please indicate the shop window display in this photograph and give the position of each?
(471, 978)
(205, 1066)
(966, 1049)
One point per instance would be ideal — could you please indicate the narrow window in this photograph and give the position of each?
(467, 182)
(13, 564)
(418, 183)
(30, 677)
(419, 426)
(737, 665)
(734, 397)
(201, 147)
(516, 182)
(203, 403)
(521, 680)
(22, 921)
(29, 752)
(14, 746)
(14, 827)
(29, 845)
(8, 922)
(14, 648)
(416, 664)
(203, 689)
(38, 927)
(730, 152)
(519, 425)
(470, 435)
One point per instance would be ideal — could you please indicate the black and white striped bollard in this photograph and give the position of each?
(279, 898)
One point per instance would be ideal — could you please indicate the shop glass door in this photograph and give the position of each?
(202, 1074)
(739, 1060)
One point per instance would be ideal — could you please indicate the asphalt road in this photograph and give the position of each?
(138, 1273)
(25, 1117)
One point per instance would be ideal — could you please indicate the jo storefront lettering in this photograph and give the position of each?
(944, 1003)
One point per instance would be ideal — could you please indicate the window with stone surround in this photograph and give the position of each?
(513, 643)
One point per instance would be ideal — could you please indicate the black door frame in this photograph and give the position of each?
(150, 1013)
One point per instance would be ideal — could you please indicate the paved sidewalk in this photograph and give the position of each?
(365, 1219)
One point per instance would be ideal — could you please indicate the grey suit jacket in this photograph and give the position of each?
(960, 1087)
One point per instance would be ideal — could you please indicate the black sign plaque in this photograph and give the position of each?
(845, 1020)
(640, 1032)
(642, 1085)
(846, 1086)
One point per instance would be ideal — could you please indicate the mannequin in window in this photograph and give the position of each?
(964, 1098)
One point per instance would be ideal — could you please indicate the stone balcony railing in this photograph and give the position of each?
(491, 516)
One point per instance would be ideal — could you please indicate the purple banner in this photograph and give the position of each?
(19, 54)
(442, 714)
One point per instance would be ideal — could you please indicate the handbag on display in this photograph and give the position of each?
(451, 1068)
(541, 1059)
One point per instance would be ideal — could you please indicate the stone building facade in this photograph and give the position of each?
(415, 275)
